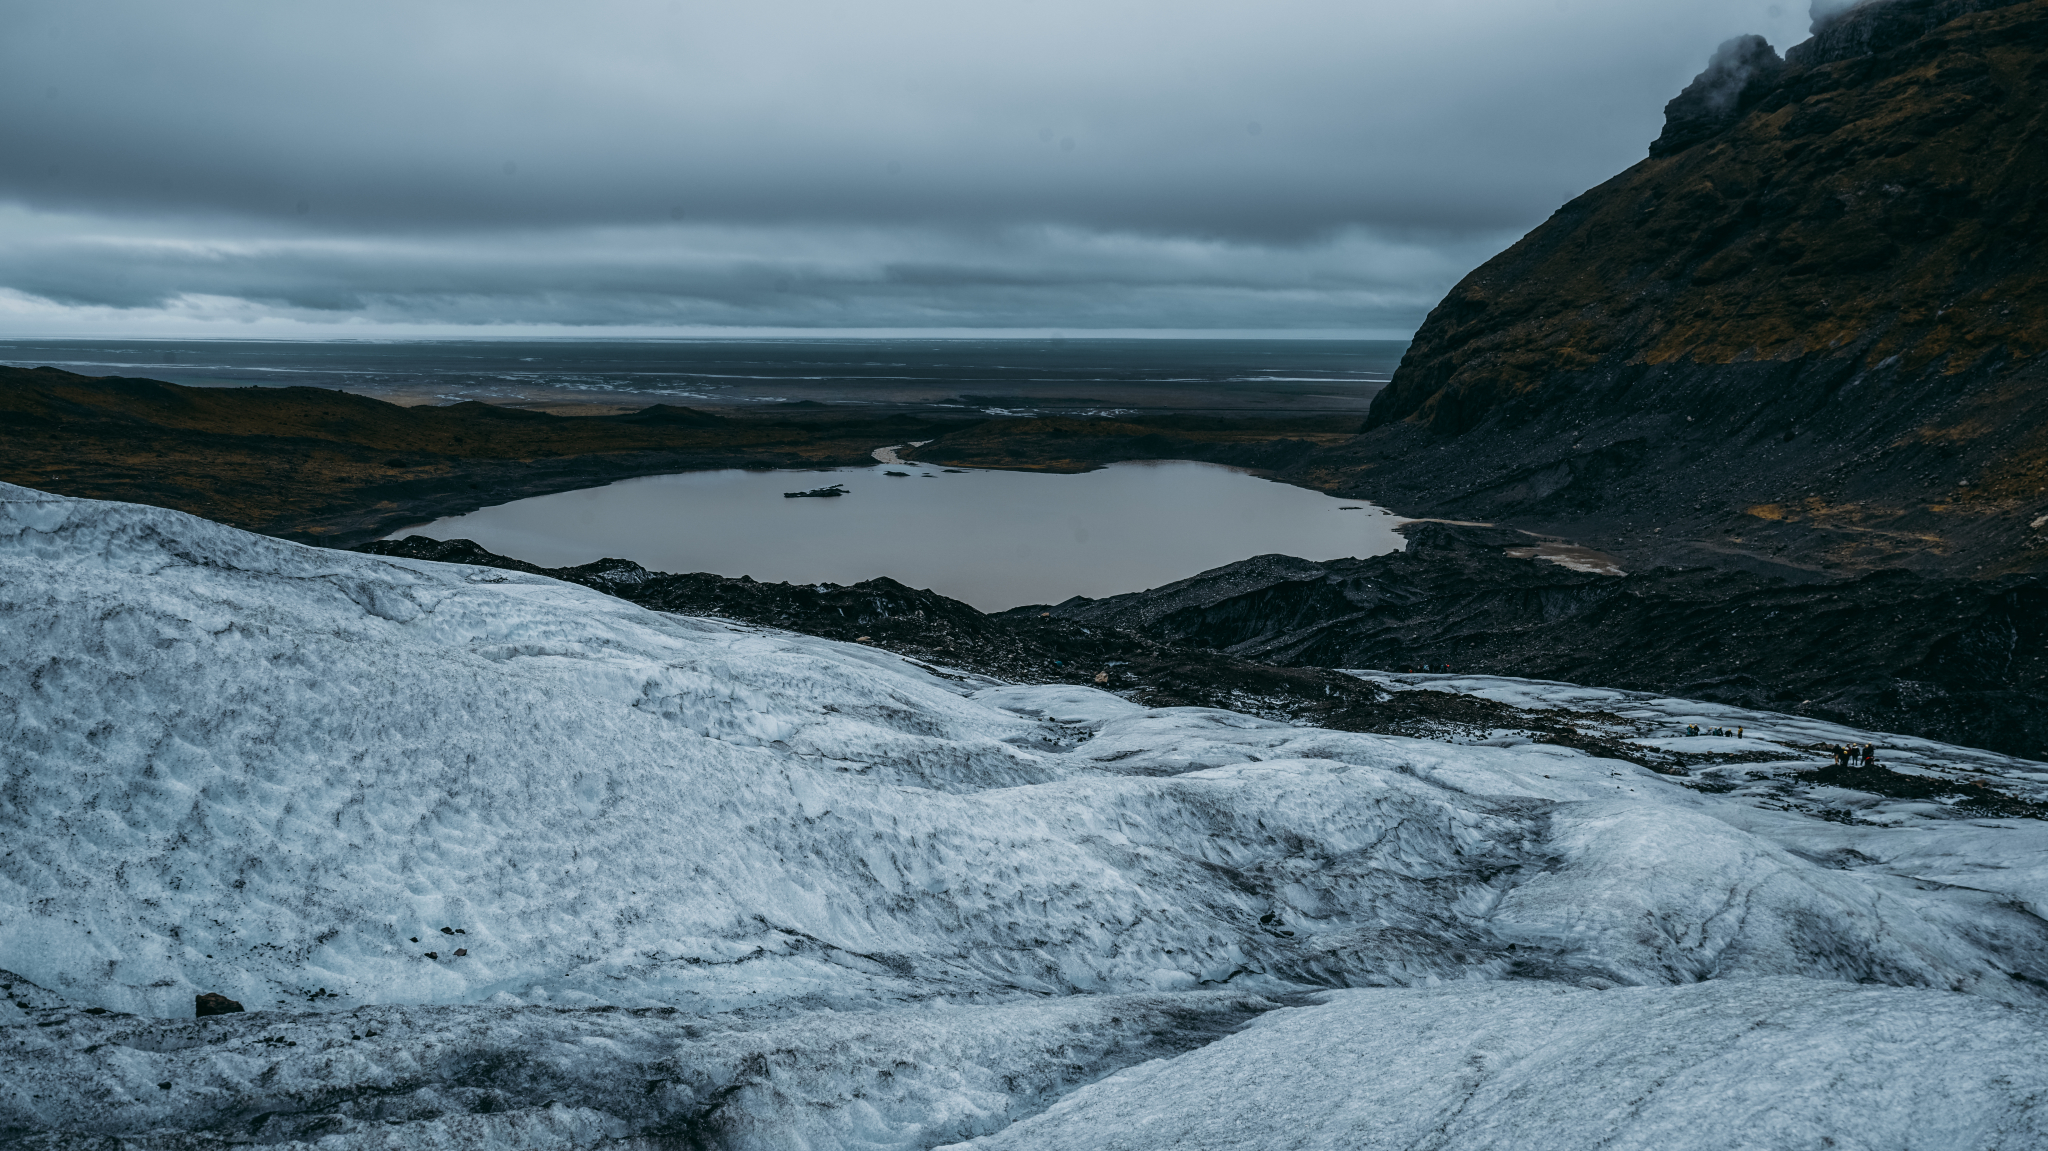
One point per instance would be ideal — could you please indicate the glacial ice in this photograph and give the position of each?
(796, 892)
(1730, 1064)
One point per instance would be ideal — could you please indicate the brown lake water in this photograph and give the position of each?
(995, 539)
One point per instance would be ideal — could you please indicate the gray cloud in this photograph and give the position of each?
(1822, 11)
(1304, 163)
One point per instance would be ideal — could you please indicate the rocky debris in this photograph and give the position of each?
(1976, 796)
(20, 994)
(817, 493)
(1036, 648)
(1773, 760)
(1808, 334)
(1951, 659)
(213, 1003)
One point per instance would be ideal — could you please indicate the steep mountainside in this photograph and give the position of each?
(1808, 329)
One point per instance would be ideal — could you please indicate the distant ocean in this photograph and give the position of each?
(994, 375)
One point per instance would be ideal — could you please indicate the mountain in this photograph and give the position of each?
(1806, 332)
(497, 860)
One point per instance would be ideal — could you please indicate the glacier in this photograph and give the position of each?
(497, 860)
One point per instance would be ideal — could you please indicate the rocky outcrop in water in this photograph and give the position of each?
(1807, 332)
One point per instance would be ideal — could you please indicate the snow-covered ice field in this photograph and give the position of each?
(718, 885)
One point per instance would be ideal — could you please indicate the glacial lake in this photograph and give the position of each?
(995, 539)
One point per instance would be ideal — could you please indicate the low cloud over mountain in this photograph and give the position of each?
(1315, 165)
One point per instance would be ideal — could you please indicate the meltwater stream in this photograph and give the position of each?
(994, 539)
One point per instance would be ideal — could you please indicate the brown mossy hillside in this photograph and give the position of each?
(324, 466)
(1891, 204)
(1837, 297)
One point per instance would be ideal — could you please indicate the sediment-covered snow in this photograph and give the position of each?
(1784, 740)
(277, 772)
(1767, 787)
(491, 1076)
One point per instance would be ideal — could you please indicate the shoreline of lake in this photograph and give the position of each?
(992, 537)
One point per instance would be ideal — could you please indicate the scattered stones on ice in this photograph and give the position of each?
(1779, 744)
(752, 888)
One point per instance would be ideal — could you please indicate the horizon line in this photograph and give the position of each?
(708, 334)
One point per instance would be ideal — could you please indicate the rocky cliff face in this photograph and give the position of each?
(1807, 330)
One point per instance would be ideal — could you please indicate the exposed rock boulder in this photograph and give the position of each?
(213, 1003)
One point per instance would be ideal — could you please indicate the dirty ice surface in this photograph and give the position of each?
(499, 861)
(1789, 742)
(1735, 1064)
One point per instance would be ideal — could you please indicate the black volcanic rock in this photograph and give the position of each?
(213, 1003)
(1736, 79)
(1809, 334)
(1964, 661)
(1875, 26)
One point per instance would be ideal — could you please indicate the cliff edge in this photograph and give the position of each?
(1805, 335)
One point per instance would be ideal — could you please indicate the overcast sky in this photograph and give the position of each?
(366, 168)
